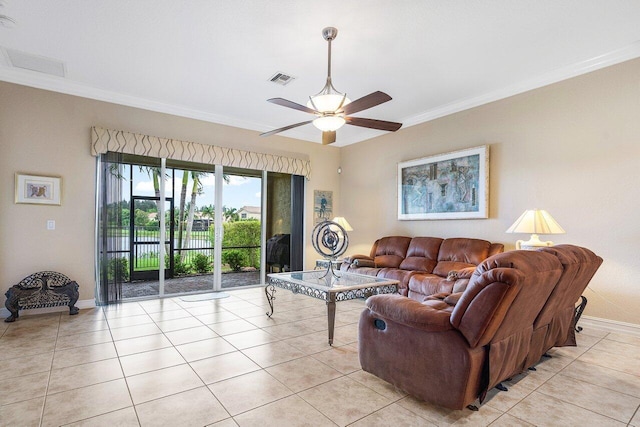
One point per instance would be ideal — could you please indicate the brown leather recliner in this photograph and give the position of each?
(555, 324)
(450, 355)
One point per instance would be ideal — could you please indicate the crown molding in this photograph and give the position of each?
(627, 53)
(61, 85)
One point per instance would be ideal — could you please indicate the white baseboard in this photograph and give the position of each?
(609, 325)
(85, 303)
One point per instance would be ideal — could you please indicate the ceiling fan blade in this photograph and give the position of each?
(373, 124)
(328, 137)
(366, 102)
(273, 132)
(291, 104)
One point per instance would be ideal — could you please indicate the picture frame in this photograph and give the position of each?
(322, 206)
(38, 190)
(452, 185)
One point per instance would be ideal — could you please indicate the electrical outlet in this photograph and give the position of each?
(51, 224)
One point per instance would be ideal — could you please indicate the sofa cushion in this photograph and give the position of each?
(391, 251)
(430, 316)
(459, 253)
(422, 285)
(402, 276)
(422, 254)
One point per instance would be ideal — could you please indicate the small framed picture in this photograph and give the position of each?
(322, 206)
(38, 190)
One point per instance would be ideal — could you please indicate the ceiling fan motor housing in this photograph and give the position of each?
(329, 33)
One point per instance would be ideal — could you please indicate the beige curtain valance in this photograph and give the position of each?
(104, 140)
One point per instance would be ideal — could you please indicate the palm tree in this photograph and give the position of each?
(195, 190)
(208, 211)
(183, 200)
(230, 214)
(154, 174)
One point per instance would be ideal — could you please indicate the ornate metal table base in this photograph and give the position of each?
(579, 310)
(43, 289)
(329, 295)
(270, 292)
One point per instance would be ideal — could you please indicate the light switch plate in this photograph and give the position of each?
(51, 224)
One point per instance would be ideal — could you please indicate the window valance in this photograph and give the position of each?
(104, 140)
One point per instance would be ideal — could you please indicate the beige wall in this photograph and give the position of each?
(47, 133)
(572, 148)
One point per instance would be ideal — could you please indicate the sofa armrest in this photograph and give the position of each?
(463, 273)
(351, 258)
(363, 263)
(411, 313)
(349, 261)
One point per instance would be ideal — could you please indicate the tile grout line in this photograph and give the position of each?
(124, 377)
(553, 375)
(537, 389)
(46, 390)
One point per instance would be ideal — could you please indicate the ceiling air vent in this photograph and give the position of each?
(281, 79)
(31, 62)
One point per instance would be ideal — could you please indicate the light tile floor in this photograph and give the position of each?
(224, 363)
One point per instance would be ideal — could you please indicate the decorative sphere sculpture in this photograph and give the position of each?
(329, 239)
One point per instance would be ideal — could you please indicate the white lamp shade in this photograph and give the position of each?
(327, 102)
(536, 221)
(329, 123)
(341, 221)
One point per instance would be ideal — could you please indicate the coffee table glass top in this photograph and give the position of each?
(344, 281)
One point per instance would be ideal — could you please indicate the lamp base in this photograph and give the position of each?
(532, 244)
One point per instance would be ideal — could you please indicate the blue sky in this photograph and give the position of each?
(240, 191)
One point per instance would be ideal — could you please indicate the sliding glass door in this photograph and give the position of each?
(169, 227)
(192, 222)
(242, 223)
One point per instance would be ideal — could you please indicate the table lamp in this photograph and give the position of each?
(342, 222)
(535, 221)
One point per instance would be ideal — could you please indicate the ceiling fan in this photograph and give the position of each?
(332, 108)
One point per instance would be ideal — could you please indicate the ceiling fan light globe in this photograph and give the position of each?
(327, 103)
(329, 123)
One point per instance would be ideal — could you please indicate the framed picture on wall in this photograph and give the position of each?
(38, 190)
(322, 206)
(445, 186)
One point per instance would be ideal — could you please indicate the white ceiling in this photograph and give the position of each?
(211, 59)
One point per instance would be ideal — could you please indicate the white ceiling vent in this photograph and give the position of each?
(281, 78)
(31, 62)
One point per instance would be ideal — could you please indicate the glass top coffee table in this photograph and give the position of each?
(329, 288)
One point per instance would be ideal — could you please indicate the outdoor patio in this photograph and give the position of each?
(189, 284)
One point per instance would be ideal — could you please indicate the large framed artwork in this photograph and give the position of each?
(37, 190)
(446, 186)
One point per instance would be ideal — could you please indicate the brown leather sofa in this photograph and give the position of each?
(450, 350)
(422, 264)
